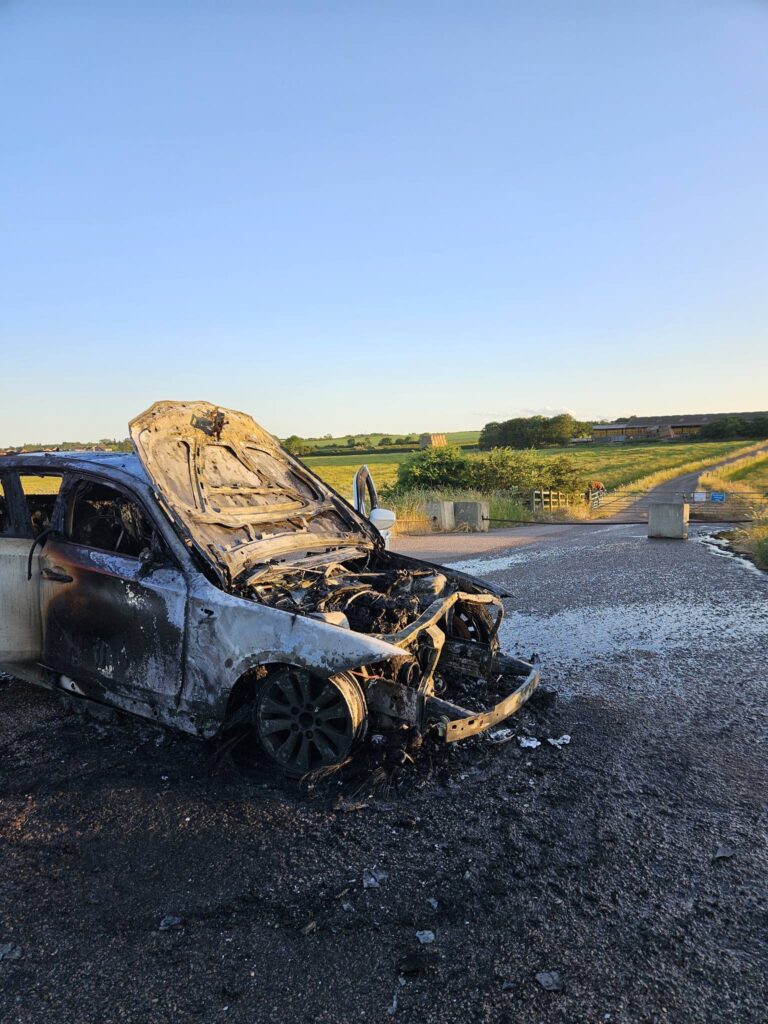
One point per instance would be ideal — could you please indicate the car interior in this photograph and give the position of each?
(101, 517)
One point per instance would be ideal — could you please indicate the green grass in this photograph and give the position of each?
(386, 458)
(40, 484)
(463, 437)
(750, 475)
(614, 465)
(619, 465)
(339, 470)
(752, 541)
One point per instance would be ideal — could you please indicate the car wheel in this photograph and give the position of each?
(304, 722)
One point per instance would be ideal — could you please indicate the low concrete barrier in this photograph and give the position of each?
(668, 519)
(440, 514)
(471, 515)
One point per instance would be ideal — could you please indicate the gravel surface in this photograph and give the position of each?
(616, 876)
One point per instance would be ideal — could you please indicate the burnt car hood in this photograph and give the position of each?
(237, 496)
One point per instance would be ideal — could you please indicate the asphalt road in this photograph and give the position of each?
(630, 861)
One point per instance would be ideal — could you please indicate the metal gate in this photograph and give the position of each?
(733, 506)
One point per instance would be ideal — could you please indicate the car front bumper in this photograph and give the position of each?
(464, 723)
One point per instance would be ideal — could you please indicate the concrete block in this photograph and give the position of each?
(668, 519)
(440, 513)
(471, 515)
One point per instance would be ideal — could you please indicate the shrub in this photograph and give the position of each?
(506, 469)
(564, 475)
(501, 469)
(435, 467)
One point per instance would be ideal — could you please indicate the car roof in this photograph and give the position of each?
(125, 464)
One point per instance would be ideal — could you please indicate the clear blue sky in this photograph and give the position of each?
(386, 215)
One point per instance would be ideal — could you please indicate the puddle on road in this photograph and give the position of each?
(719, 546)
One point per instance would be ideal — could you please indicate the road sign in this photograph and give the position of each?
(699, 495)
(718, 496)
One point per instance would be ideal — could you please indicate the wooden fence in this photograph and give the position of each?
(547, 501)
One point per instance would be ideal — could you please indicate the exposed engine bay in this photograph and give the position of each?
(446, 628)
(382, 602)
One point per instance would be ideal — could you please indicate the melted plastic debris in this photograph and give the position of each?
(561, 742)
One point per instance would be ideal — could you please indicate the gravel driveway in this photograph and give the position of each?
(617, 877)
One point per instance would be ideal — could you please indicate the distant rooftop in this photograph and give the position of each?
(685, 420)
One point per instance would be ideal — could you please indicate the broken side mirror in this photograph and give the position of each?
(151, 557)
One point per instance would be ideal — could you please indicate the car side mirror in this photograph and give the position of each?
(383, 519)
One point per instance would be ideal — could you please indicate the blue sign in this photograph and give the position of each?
(718, 496)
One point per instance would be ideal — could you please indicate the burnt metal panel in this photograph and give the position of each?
(236, 494)
(109, 627)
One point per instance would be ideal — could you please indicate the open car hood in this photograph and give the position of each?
(240, 498)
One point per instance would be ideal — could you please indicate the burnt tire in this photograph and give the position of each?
(305, 722)
(470, 622)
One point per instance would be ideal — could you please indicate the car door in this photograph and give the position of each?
(27, 500)
(20, 629)
(113, 616)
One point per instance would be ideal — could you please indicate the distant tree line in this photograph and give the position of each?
(107, 444)
(353, 443)
(735, 426)
(533, 432)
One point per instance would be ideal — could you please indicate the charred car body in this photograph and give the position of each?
(211, 577)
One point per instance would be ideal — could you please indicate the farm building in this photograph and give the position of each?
(662, 427)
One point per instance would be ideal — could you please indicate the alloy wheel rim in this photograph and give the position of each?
(305, 722)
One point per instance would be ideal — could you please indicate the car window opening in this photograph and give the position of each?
(103, 518)
(40, 493)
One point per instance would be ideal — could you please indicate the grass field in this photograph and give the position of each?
(613, 465)
(338, 470)
(749, 475)
(41, 484)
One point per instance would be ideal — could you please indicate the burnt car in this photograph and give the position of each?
(211, 578)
